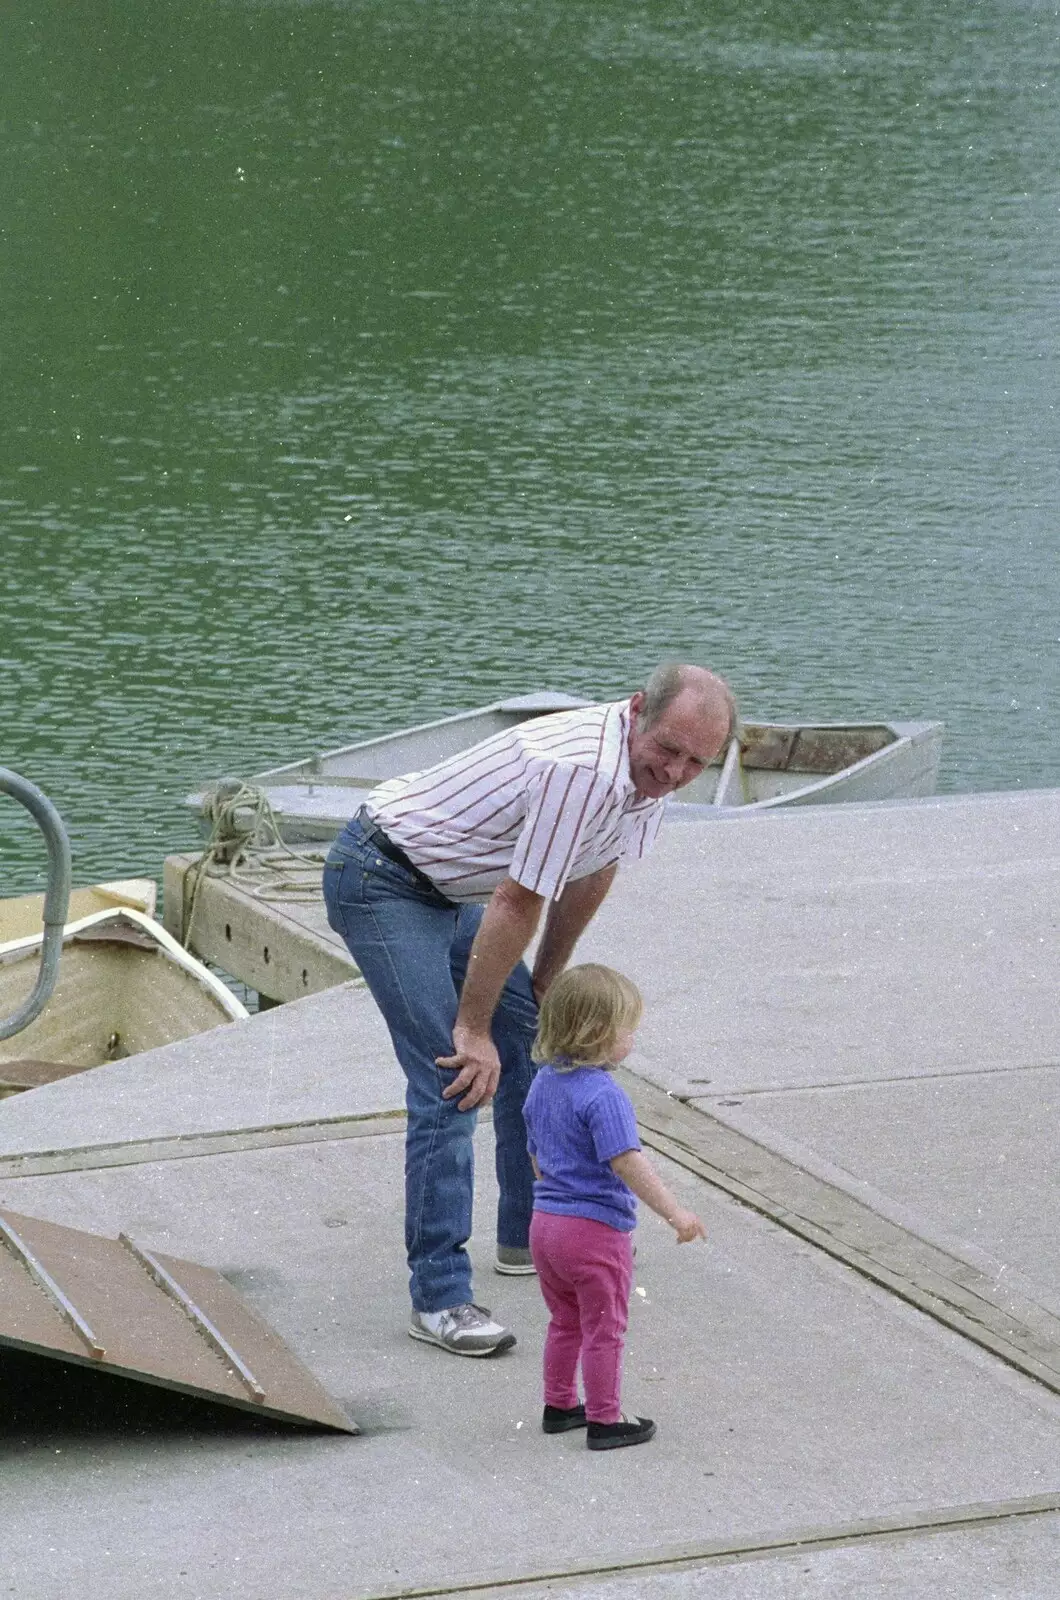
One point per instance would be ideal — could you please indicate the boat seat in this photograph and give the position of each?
(16, 1076)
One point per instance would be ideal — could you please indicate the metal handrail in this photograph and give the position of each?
(56, 900)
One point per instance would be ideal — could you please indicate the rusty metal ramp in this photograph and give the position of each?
(111, 1305)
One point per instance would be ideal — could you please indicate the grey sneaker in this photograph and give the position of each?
(514, 1262)
(467, 1330)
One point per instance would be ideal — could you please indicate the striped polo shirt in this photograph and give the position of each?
(544, 802)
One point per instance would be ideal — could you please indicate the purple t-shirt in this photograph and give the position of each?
(576, 1121)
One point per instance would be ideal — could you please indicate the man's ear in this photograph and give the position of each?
(636, 701)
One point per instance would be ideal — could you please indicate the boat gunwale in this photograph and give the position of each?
(382, 739)
(15, 950)
(926, 733)
(297, 775)
(297, 770)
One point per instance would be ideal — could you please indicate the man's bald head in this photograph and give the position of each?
(699, 684)
(683, 718)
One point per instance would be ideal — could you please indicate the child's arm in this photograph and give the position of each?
(636, 1170)
(537, 1169)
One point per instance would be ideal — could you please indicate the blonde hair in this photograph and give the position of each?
(583, 1013)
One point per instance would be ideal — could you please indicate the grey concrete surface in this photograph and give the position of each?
(789, 1393)
(968, 1159)
(871, 991)
(1013, 1560)
(842, 944)
(873, 987)
(326, 1056)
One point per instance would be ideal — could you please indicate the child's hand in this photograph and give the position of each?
(687, 1226)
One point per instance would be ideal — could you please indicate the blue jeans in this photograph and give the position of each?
(412, 947)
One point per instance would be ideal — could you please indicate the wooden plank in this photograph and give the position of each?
(219, 1141)
(29, 1073)
(822, 751)
(767, 749)
(281, 947)
(143, 1331)
(818, 751)
(25, 914)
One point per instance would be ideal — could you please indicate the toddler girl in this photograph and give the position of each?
(582, 1138)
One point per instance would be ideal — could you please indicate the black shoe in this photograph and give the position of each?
(613, 1435)
(560, 1419)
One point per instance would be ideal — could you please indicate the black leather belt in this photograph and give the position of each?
(385, 845)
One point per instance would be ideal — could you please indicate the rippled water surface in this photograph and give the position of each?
(364, 362)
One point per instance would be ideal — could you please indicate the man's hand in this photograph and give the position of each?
(477, 1065)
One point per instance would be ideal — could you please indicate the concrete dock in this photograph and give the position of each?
(849, 1066)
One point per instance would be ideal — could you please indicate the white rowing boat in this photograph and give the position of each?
(125, 985)
(770, 765)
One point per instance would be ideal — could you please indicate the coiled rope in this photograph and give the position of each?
(246, 846)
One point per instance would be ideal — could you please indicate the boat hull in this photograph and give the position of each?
(125, 985)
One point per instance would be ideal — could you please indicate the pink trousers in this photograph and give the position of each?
(585, 1270)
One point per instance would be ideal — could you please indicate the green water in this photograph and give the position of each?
(364, 362)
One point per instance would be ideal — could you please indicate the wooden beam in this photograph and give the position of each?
(283, 948)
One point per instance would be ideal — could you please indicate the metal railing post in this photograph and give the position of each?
(56, 900)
